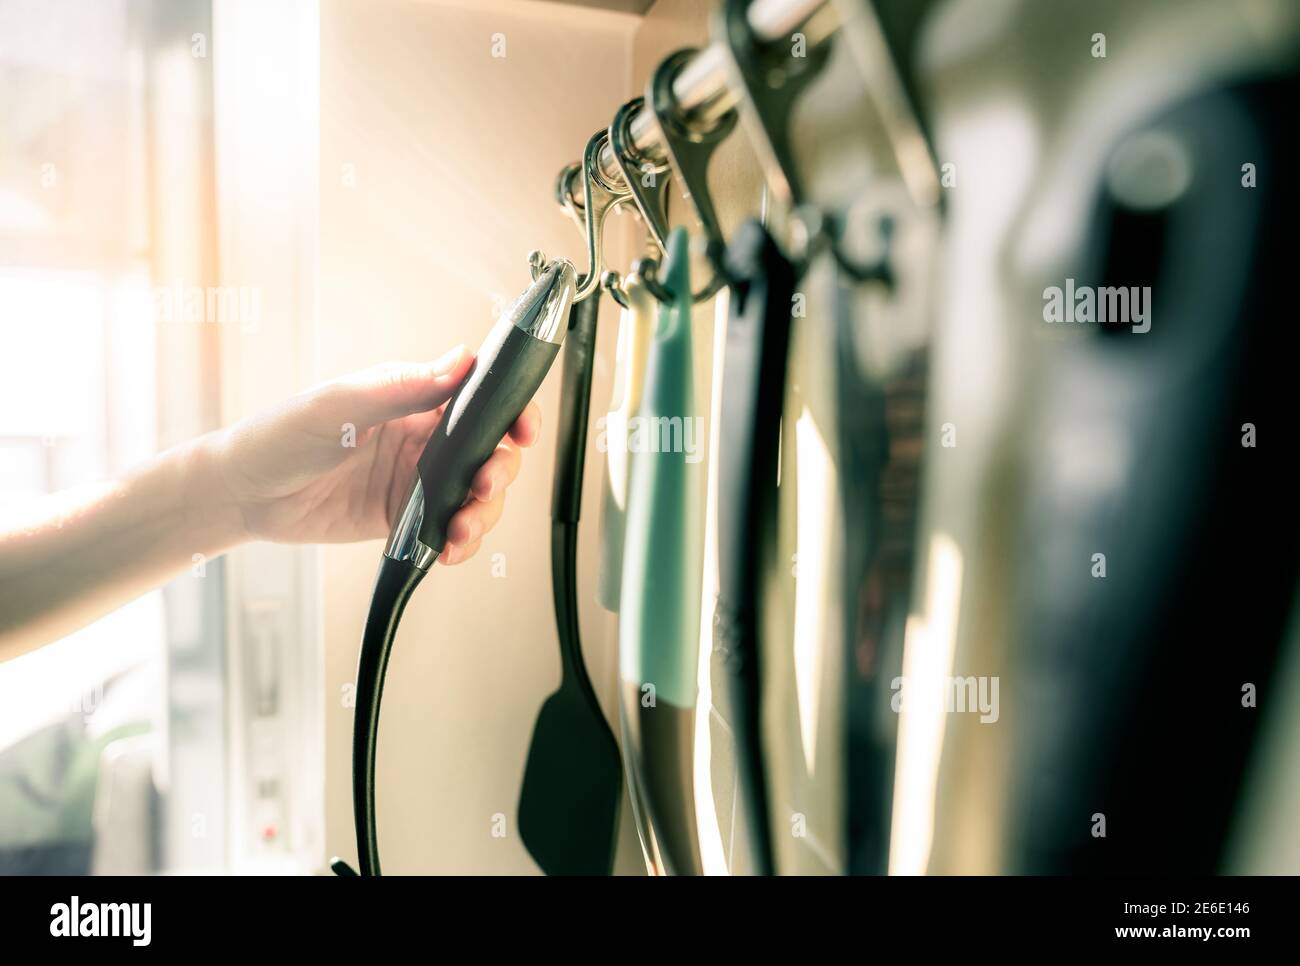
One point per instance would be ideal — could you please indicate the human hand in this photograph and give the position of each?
(334, 464)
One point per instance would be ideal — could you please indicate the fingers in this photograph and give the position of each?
(397, 389)
(528, 426)
(485, 505)
(454, 554)
(497, 473)
(466, 529)
(486, 500)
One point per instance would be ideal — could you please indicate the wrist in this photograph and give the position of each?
(209, 508)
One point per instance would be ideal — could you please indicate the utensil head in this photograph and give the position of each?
(568, 806)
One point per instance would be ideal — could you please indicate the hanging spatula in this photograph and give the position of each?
(568, 805)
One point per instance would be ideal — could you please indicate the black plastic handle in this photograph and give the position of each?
(509, 369)
(753, 389)
(575, 404)
(394, 585)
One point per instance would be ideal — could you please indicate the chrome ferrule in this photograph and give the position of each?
(404, 540)
(543, 310)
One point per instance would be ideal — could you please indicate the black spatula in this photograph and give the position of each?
(568, 806)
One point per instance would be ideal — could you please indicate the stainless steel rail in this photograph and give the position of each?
(703, 90)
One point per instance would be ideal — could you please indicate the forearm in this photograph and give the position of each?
(86, 551)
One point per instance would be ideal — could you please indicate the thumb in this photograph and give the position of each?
(396, 389)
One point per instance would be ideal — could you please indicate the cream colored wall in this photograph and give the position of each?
(437, 167)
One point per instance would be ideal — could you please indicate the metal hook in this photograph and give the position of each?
(573, 206)
(882, 269)
(647, 272)
(576, 210)
(642, 272)
(600, 197)
(689, 147)
(814, 229)
(645, 269)
(613, 284)
(652, 198)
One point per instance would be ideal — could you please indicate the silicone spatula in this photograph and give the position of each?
(568, 805)
(659, 616)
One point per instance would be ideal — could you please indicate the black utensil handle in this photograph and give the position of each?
(396, 581)
(753, 388)
(510, 367)
(566, 488)
(506, 373)
(575, 404)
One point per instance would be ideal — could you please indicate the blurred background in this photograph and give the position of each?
(138, 166)
(351, 179)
